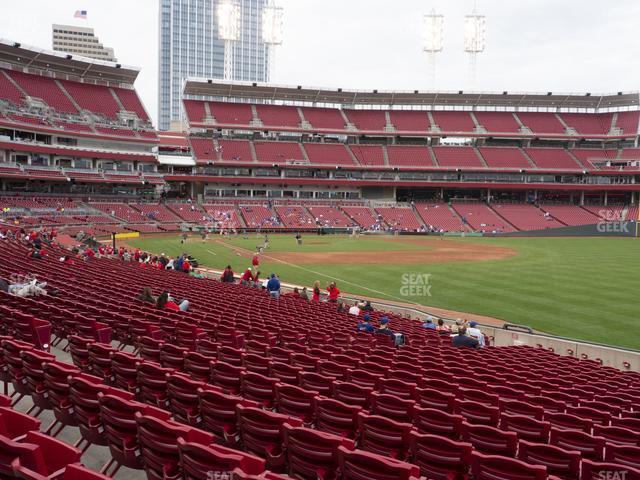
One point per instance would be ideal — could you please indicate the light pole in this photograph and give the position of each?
(475, 39)
(433, 41)
(228, 30)
(272, 33)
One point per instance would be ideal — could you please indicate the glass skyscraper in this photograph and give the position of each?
(190, 47)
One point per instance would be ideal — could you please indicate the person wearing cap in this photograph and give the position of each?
(462, 340)
(428, 324)
(475, 332)
(384, 327)
(365, 325)
(246, 276)
(273, 286)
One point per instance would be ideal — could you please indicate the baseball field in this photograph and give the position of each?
(584, 288)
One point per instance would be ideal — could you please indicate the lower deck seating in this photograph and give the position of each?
(439, 216)
(527, 217)
(399, 218)
(481, 218)
(191, 390)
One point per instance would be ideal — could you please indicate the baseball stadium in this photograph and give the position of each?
(280, 281)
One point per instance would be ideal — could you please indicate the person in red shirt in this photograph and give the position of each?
(334, 292)
(165, 302)
(186, 266)
(136, 255)
(121, 252)
(316, 291)
(89, 253)
(246, 276)
(255, 261)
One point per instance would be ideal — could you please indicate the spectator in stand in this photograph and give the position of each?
(354, 310)
(461, 340)
(365, 324)
(255, 261)
(367, 307)
(177, 264)
(34, 253)
(428, 324)
(295, 293)
(342, 308)
(227, 275)
(316, 291)
(304, 294)
(475, 332)
(384, 327)
(334, 292)
(147, 296)
(256, 280)
(443, 327)
(186, 266)
(247, 277)
(89, 254)
(67, 260)
(165, 302)
(273, 286)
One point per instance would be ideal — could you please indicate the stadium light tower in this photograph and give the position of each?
(272, 32)
(475, 39)
(433, 41)
(228, 30)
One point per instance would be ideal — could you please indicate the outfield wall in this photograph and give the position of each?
(601, 229)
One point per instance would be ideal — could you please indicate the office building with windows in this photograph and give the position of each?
(190, 46)
(80, 41)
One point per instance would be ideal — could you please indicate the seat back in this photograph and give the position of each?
(182, 394)
(295, 402)
(560, 462)
(588, 445)
(259, 388)
(338, 418)
(261, 433)
(310, 452)
(390, 406)
(439, 458)
(352, 394)
(197, 461)
(623, 455)
(495, 467)
(383, 436)
(158, 441)
(436, 422)
(15, 425)
(599, 470)
(490, 440)
(152, 384)
(527, 428)
(361, 465)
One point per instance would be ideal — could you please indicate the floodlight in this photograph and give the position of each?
(433, 32)
(229, 20)
(475, 37)
(272, 25)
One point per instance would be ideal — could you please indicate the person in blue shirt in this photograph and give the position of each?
(364, 325)
(273, 286)
(384, 327)
(428, 324)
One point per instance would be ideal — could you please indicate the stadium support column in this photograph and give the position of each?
(582, 198)
(606, 198)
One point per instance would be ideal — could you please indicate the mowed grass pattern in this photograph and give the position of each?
(585, 288)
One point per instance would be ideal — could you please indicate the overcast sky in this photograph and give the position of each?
(532, 45)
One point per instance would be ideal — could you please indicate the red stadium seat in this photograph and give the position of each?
(490, 440)
(197, 460)
(383, 436)
(562, 463)
(359, 465)
(495, 467)
(312, 454)
(338, 418)
(439, 458)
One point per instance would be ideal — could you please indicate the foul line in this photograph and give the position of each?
(403, 300)
(212, 253)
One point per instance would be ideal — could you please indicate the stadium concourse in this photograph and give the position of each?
(246, 386)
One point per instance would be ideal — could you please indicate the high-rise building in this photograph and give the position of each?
(80, 41)
(190, 46)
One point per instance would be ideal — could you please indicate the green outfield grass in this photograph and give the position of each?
(584, 288)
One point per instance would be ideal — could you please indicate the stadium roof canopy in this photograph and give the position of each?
(65, 65)
(338, 96)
